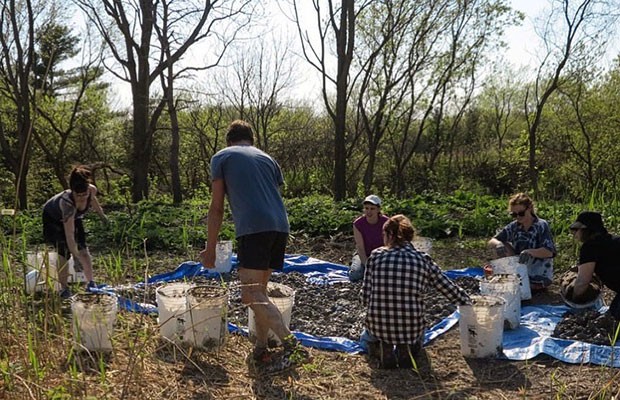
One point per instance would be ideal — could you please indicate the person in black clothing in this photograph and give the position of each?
(599, 257)
(63, 227)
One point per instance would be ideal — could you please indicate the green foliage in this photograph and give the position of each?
(154, 225)
(181, 229)
(464, 213)
(318, 215)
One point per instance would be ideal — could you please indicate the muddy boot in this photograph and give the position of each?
(404, 356)
(374, 351)
(388, 358)
(406, 353)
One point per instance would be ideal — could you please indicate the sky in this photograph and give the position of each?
(519, 39)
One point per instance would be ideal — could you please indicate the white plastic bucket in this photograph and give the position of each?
(46, 265)
(94, 315)
(283, 297)
(172, 309)
(481, 326)
(223, 256)
(208, 322)
(76, 271)
(505, 286)
(511, 265)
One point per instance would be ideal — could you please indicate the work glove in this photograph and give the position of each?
(567, 291)
(500, 250)
(525, 257)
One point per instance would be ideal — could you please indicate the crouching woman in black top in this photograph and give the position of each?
(63, 227)
(599, 255)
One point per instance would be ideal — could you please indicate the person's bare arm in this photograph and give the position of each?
(94, 203)
(541, 252)
(584, 277)
(82, 256)
(359, 245)
(214, 222)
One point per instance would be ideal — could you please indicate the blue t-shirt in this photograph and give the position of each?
(252, 180)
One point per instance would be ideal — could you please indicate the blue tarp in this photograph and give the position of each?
(533, 337)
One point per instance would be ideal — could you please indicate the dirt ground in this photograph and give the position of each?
(143, 366)
(443, 372)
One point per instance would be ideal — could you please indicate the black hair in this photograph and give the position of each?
(79, 179)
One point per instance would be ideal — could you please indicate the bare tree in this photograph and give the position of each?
(385, 33)
(63, 104)
(134, 23)
(500, 99)
(445, 54)
(339, 24)
(573, 31)
(18, 23)
(256, 84)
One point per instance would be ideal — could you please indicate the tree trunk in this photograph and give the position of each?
(173, 161)
(142, 142)
(345, 38)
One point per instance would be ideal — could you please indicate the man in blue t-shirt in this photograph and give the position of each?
(251, 181)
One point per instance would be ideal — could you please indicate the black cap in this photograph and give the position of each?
(589, 219)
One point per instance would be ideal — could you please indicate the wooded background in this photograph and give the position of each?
(412, 96)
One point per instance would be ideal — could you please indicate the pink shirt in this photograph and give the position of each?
(372, 233)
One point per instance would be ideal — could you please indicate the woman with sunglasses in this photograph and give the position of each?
(529, 237)
(599, 255)
(63, 227)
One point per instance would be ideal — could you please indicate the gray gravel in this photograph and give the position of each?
(336, 310)
(587, 326)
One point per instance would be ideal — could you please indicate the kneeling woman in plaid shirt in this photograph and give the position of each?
(395, 279)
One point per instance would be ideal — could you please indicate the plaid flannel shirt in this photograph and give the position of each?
(395, 281)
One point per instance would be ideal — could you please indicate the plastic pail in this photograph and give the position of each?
(172, 309)
(505, 286)
(223, 256)
(283, 297)
(208, 322)
(76, 271)
(46, 263)
(94, 315)
(511, 265)
(595, 304)
(481, 326)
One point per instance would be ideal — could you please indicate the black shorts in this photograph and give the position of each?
(54, 234)
(262, 251)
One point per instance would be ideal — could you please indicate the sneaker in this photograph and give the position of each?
(91, 285)
(65, 293)
(266, 362)
(262, 355)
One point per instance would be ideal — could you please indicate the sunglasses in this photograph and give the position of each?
(518, 214)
